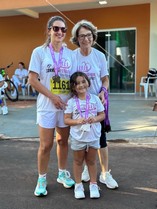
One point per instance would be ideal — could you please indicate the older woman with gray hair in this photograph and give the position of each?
(93, 62)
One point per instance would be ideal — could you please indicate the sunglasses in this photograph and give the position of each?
(56, 29)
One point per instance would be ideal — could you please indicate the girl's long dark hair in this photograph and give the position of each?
(73, 82)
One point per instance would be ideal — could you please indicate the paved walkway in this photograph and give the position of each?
(132, 158)
(131, 118)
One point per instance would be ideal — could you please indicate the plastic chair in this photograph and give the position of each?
(28, 90)
(148, 87)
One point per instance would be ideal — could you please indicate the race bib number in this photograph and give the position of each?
(60, 87)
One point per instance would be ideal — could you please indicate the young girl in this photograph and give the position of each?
(83, 113)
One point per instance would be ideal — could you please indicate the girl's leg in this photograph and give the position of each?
(92, 167)
(90, 159)
(77, 167)
(77, 164)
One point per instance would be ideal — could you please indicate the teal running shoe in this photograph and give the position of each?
(64, 178)
(40, 189)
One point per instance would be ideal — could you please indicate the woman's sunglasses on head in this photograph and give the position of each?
(56, 29)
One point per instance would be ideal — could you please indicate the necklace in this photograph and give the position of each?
(87, 106)
(57, 65)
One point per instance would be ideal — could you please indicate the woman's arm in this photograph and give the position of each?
(36, 84)
(105, 84)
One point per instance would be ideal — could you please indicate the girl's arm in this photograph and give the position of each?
(73, 122)
(95, 119)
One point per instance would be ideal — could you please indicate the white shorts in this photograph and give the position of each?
(79, 145)
(51, 119)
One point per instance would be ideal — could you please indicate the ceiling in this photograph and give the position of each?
(34, 11)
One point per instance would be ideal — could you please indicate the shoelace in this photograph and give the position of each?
(94, 187)
(109, 174)
(42, 183)
(79, 187)
(67, 174)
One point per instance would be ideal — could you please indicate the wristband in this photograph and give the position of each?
(104, 89)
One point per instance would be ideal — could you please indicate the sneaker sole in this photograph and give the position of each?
(85, 180)
(108, 186)
(41, 195)
(80, 198)
(65, 185)
(96, 197)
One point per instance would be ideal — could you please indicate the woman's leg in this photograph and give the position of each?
(62, 136)
(46, 144)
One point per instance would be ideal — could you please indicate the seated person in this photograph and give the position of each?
(20, 76)
(3, 105)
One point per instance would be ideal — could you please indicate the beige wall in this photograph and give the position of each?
(20, 34)
(153, 36)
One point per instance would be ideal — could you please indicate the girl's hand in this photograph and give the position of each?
(81, 121)
(91, 120)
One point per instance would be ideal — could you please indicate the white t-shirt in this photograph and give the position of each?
(21, 73)
(42, 63)
(95, 106)
(94, 65)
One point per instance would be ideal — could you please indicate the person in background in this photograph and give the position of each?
(83, 114)
(3, 104)
(52, 63)
(20, 77)
(93, 62)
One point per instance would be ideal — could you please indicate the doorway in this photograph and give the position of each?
(119, 48)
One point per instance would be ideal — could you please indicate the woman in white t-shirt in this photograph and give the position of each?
(83, 114)
(52, 63)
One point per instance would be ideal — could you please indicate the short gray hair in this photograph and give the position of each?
(83, 24)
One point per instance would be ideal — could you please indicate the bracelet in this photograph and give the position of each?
(104, 89)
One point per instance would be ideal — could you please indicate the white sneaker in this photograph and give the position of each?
(94, 191)
(79, 191)
(106, 178)
(85, 174)
(4, 110)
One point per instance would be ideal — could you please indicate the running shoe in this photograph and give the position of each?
(79, 191)
(40, 189)
(64, 178)
(107, 179)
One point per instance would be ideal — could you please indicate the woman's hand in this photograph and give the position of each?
(58, 102)
(102, 97)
